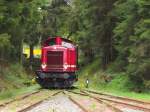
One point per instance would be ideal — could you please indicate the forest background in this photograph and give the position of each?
(115, 33)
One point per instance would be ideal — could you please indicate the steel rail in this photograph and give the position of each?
(37, 103)
(99, 100)
(119, 102)
(119, 97)
(75, 102)
(20, 98)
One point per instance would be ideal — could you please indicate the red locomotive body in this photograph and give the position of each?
(58, 63)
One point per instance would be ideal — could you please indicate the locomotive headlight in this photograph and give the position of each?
(43, 66)
(65, 66)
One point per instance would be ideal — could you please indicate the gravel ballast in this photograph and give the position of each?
(59, 103)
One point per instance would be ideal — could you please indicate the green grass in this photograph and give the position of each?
(115, 91)
(120, 85)
(14, 76)
(15, 92)
(129, 94)
(14, 81)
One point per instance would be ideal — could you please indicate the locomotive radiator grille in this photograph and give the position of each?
(55, 59)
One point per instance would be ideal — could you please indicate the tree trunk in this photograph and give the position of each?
(31, 56)
(1, 54)
(21, 52)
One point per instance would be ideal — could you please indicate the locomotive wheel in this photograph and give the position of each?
(54, 84)
(68, 84)
(42, 83)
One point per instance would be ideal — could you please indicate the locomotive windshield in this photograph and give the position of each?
(66, 44)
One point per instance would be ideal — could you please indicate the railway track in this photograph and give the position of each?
(118, 97)
(115, 103)
(95, 98)
(127, 102)
(75, 102)
(18, 99)
(37, 103)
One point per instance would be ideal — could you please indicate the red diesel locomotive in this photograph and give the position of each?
(58, 63)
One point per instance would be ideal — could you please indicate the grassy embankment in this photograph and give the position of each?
(103, 81)
(14, 81)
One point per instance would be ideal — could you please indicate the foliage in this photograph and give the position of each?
(11, 93)
(120, 85)
(93, 24)
(121, 82)
(115, 31)
(132, 38)
(118, 33)
(5, 45)
(19, 22)
(13, 76)
(4, 41)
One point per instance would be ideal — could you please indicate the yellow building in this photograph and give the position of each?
(36, 51)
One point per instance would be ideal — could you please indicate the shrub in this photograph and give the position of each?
(117, 66)
(139, 75)
(120, 82)
(13, 76)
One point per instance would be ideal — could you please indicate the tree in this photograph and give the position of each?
(132, 38)
(93, 26)
(4, 45)
(32, 16)
(55, 19)
(20, 20)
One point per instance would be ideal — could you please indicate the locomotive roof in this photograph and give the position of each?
(63, 39)
(67, 40)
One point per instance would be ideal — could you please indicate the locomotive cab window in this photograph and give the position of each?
(52, 42)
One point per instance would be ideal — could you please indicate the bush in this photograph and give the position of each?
(139, 75)
(120, 82)
(117, 66)
(13, 76)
